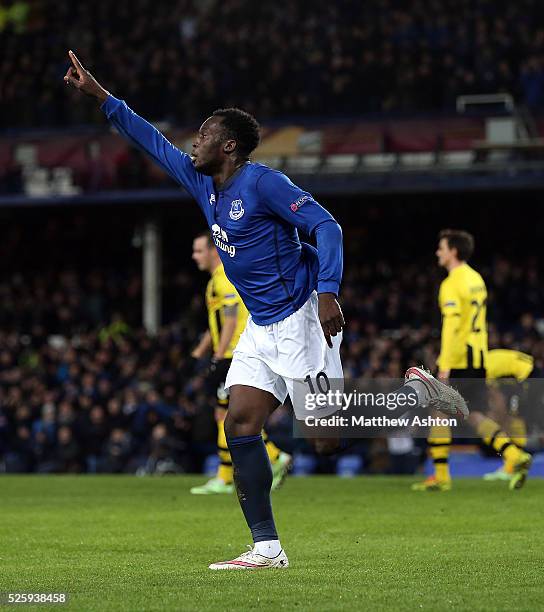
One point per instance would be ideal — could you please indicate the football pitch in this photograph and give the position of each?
(128, 543)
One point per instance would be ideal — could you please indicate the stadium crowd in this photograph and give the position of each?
(83, 388)
(179, 59)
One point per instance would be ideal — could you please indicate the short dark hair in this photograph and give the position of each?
(206, 234)
(242, 127)
(460, 240)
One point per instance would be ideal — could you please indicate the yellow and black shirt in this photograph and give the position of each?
(503, 363)
(462, 300)
(220, 293)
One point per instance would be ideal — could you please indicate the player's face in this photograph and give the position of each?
(208, 148)
(444, 253)
(202, 254)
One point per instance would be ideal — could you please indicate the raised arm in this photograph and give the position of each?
(136, 129)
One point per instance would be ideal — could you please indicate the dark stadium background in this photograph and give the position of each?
(380, 99)
(391, 280)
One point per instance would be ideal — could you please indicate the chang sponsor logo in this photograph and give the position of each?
(221, 240)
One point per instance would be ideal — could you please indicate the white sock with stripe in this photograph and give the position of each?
(268, 548)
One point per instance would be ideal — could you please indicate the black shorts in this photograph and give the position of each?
(471, 384)
(216, 381)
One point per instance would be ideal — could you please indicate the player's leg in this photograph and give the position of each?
(439, 444)
(498, 412)
(514, 426)
(440, 438)
(280, 461)
(517, 431)
(249, 408)
(225, 469)
(472, 385)
(495, 437)
(272, 450)
(223, 480)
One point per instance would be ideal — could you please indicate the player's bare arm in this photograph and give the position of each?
(203, 347)
(330, 316)
(80, 78)
(227, 331)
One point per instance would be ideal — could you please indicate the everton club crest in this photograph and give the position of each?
(236, 210)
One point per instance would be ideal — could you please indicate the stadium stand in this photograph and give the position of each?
(192, 56)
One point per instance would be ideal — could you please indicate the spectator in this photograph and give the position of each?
(532, 83)
(174, 60)
(93, 432)
(117, 452)
(163, 452)
(67, 455)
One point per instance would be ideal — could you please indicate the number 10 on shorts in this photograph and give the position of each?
(321, 382)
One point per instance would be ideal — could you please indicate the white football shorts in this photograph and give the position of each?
(290, 357)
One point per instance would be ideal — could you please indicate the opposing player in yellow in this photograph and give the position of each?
(463, 356)
(514, 368)
(227, 317)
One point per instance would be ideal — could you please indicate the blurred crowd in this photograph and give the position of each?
(178, 60)
(83, 388)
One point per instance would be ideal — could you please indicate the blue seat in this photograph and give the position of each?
(211, 463)
(303, 465)
(348, 466)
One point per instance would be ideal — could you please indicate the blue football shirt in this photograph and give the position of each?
(254, 219)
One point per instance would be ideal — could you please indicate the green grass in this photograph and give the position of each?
(127, 543)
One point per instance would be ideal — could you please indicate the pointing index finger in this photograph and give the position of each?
(327, 335)
(75, 61)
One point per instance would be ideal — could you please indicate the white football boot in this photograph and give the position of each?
(252, 560)
(440, 396)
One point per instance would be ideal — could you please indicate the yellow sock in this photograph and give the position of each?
(225, 471)
(499, 440)
(272, 450)
(518, 431)
(439, 442)
(511, 453)
(508, 467)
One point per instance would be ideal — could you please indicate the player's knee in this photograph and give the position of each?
(241, 423)
(248, 410)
